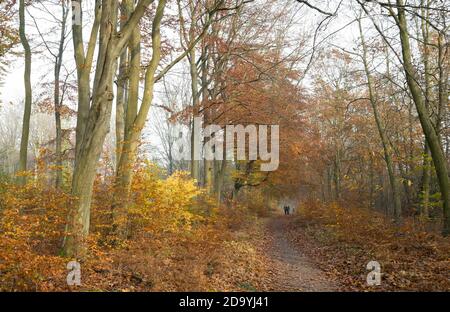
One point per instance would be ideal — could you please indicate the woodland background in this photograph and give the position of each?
(90, 112)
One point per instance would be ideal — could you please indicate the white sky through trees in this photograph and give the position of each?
(339, 30)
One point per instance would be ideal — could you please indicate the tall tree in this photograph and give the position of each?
(381, 128)
(430, 132)
(57, 94)
(426, 172)
(28, 93)
(94, 112)
(135, 121)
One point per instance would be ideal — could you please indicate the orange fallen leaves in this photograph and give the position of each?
(344, 240)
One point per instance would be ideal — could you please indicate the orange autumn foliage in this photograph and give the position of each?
(178, 239)
(31, 231)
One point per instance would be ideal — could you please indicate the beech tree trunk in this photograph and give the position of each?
(95, 131)
(135, 120)
(381, 131)
(28, 93)
(195, 163)
(57, 97)
(93, 123)
(426, 171)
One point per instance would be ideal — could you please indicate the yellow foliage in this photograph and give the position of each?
(161, 206)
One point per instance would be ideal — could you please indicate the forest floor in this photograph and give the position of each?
(319, 248)
(289, 268)
(328, 247)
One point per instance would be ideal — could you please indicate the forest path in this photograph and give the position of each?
(291, 270)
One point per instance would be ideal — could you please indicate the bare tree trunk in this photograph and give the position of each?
(330, 183)
(337, 175)
(371, 183)
(443, 65)
(84, 63)
(426, 179)
(220, 175)
(122, 83)
(195, 163)
(135, 120)
(28, 93)
(381, 131)
(192, 57)
(95, 131)
(57, 97)
(91, 136)
(426, 173)
(208, 165)
(432, 137)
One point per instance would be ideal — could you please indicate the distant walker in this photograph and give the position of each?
(287, 210)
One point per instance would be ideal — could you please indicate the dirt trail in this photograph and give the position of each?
(290, 269)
